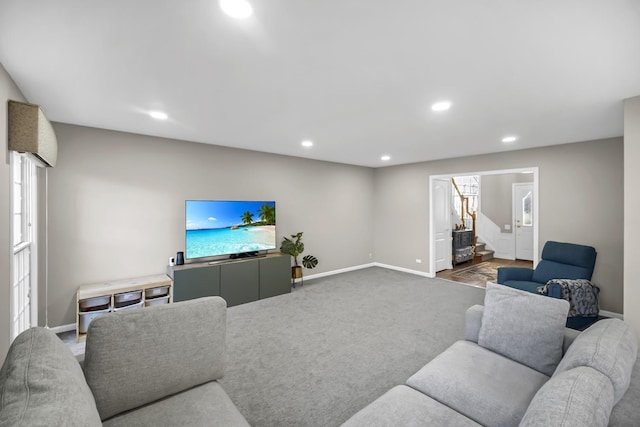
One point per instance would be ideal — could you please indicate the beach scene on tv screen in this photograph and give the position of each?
(228, 227)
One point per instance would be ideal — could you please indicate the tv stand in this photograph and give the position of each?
(244, 255)
(238, 281)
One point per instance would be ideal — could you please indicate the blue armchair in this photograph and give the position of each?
(559, 261)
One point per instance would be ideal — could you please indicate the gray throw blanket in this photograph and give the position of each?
(581, 294)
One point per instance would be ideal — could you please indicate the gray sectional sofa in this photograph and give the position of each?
(155, 366)
(518, 365)
(160, 366)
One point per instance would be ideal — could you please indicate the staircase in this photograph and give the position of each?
(482, 252)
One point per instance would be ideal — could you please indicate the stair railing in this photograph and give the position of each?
(464, 200)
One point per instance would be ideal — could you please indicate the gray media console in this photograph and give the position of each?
(237, 281)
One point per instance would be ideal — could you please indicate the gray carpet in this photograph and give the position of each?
(318, 355)
(315, 357)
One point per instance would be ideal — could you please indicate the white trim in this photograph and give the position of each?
(35, 242)
(606, 313)
(536, 199)
(404, 270)
(363, 266)
(63, 328)
(341, 270)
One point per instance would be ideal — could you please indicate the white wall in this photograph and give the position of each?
(631, 212)
(116, 205)
(495, 197)
(581, 201)
(8, 90)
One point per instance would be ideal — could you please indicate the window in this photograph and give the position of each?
(465, 192)
(527, 210)
(23, 208)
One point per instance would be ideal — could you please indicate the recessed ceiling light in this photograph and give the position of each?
(441, 106)
(159, 115)
(239, 9)
(307, 143)
(508, 139)
(385, 158)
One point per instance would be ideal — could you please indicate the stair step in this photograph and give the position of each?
(485, 254)
(480, 246)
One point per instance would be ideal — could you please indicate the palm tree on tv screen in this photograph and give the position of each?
(268, 214)
(247, 217)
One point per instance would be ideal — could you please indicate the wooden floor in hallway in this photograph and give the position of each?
(477, 272)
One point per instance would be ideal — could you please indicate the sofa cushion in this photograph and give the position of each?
(404, 406)
(609, 346)
(473, 321)
(204, 405)
(135, 357)
(525, 327)
(480, 384)
(41, 383)
(579, 397)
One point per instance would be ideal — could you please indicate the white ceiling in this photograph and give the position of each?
(357, 77)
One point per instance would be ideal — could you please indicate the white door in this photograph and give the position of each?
(442, 222)
(523, 220)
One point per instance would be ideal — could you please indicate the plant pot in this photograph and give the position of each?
(296, 272)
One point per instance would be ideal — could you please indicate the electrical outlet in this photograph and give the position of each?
(418, 260)
(370, 255)
(507, 226)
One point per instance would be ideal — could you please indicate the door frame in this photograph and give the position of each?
(536, 205)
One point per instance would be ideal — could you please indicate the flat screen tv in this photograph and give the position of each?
(228, 227)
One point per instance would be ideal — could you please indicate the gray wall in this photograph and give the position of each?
(116, 205)
(631, 209)
(496, 194)
(581, 201)
(8, 90)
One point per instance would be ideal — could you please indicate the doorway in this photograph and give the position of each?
(501, 236)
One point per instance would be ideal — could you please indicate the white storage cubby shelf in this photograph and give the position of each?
(99, 298)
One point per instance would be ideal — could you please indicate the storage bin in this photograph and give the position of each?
(156, 292)
(156, 301)
(87, 317)
(130, 306)
(94, 303)
(127, 298)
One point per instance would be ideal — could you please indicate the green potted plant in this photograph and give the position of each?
(293, 246)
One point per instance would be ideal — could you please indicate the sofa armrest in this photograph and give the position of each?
(569, 336)
(554, 290)
(472, 322)
(514, 273)
(41, 384)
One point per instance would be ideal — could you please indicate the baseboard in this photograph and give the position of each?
(404, 270)
(63, 328)
(606, 313)
(332, 272)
